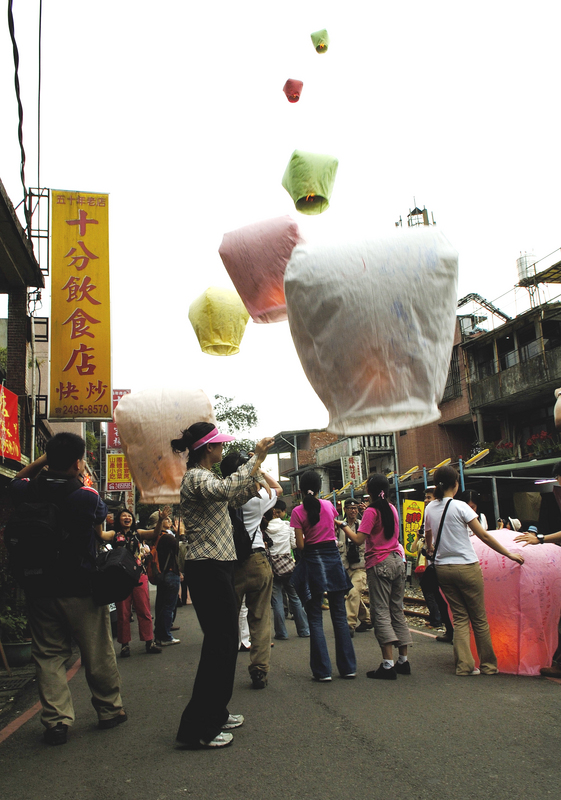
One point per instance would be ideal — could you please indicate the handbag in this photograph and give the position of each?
(282, 564)
(430, 569)
(117, 572)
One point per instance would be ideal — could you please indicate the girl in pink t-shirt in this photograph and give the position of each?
(320, 570)
(385, 569)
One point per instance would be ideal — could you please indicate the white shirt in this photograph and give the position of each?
(455, 546)
(253, 512)
(282, 535)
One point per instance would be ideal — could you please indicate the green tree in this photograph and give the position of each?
(235, 420)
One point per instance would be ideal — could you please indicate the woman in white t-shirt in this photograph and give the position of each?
(472, 498)
(459, 573)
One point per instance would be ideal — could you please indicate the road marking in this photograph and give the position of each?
(27, 715)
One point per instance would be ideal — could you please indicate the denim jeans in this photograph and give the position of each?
(166, 601)
(320, 662)
(300, 618)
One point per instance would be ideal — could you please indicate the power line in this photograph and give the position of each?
(20, 110)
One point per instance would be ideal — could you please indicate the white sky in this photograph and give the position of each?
(176, 109)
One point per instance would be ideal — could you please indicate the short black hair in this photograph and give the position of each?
(63, 450)
(231, 463)
(280, 504)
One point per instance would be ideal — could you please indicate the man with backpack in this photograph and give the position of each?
(55, 503)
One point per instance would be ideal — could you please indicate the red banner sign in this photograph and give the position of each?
(113, 439)
(9, 429)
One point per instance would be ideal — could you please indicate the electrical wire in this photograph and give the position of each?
(20, 110)
(39, 103)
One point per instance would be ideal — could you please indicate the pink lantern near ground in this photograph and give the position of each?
(256, 257)
(293, 90)
(523, 603)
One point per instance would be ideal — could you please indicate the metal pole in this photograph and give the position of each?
(495, 500)
(425, 481)
(462, 481)
(397, 505)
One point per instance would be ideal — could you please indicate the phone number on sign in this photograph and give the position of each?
(116, 487)
(68, 411)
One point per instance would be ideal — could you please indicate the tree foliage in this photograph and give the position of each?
(235, 419)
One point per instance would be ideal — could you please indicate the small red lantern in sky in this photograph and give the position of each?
(293, 89)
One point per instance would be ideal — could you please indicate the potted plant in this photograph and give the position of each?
(14, 635)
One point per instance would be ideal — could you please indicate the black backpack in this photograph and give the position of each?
(242, 540)
(116, 574)
(36, 539)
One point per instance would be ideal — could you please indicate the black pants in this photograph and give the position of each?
(431, 585)
(211, 584)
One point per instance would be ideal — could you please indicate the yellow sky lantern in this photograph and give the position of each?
(219, 318)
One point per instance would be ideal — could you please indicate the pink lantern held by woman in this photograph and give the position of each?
(293, 90)
(523, 603)
(256, 257)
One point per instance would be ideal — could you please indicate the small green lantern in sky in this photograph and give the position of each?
(309, 179)
(320, 40)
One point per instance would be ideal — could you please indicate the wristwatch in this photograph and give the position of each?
(540, 537)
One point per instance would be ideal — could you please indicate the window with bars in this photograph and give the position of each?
(453, 382)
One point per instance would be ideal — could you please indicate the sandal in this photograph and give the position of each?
(151, 647)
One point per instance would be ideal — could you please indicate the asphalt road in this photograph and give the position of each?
(428, 735)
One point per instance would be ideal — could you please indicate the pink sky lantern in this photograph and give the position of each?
(523, 603)
(147, 422)
(293, 89)
(256, 257)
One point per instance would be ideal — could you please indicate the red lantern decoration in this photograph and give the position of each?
(293, 90)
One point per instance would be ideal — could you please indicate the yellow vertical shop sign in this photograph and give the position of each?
(80, 363)
(413, 511)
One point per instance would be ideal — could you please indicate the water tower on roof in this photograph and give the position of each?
(416, 217)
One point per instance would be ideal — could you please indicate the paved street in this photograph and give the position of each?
(424, 736)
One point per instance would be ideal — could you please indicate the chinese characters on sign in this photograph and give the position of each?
(80, 374)
(351, 468)
(413, 511)
(119, 478)
(9, 430)
(113, 438)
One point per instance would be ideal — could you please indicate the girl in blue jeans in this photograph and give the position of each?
(320, 570)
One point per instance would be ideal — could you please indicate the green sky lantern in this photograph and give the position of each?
(320, 40)
(309, 179)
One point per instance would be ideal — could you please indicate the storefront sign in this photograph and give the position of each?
(113, 439)
(351, 469)
(80, 363)
(413, 511)
(119, 478)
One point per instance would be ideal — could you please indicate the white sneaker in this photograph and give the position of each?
(222, 740)
(167, 644)
(233, 721)
(474, 671)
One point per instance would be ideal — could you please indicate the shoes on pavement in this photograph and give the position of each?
(168, 643)
(363, 627)
(222, 740)
(304, 635)
(323, 680)
(258, 679)
(243, 649)
(175, 627)
(125, 651)
(112, 722)
(403, 669)
(349, 675)
(383, 674)
(56, 735)
(282, 638)
(233, 721)
(551, 672)
(474, 671)
(446, 638)
(152, 647)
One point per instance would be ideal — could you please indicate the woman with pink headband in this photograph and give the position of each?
(209, 571)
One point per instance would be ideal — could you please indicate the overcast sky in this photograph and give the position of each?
(176, 110)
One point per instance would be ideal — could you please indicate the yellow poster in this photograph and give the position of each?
(413, 511)
(119, 478)
(80, 360)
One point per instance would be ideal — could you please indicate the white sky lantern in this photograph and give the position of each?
(373, 324)
(256, 257)
(147, 423)
(219, 317)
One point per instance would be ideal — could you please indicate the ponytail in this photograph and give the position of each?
(445, 478)
(188, 439)
(310, 484)
(378, 489)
